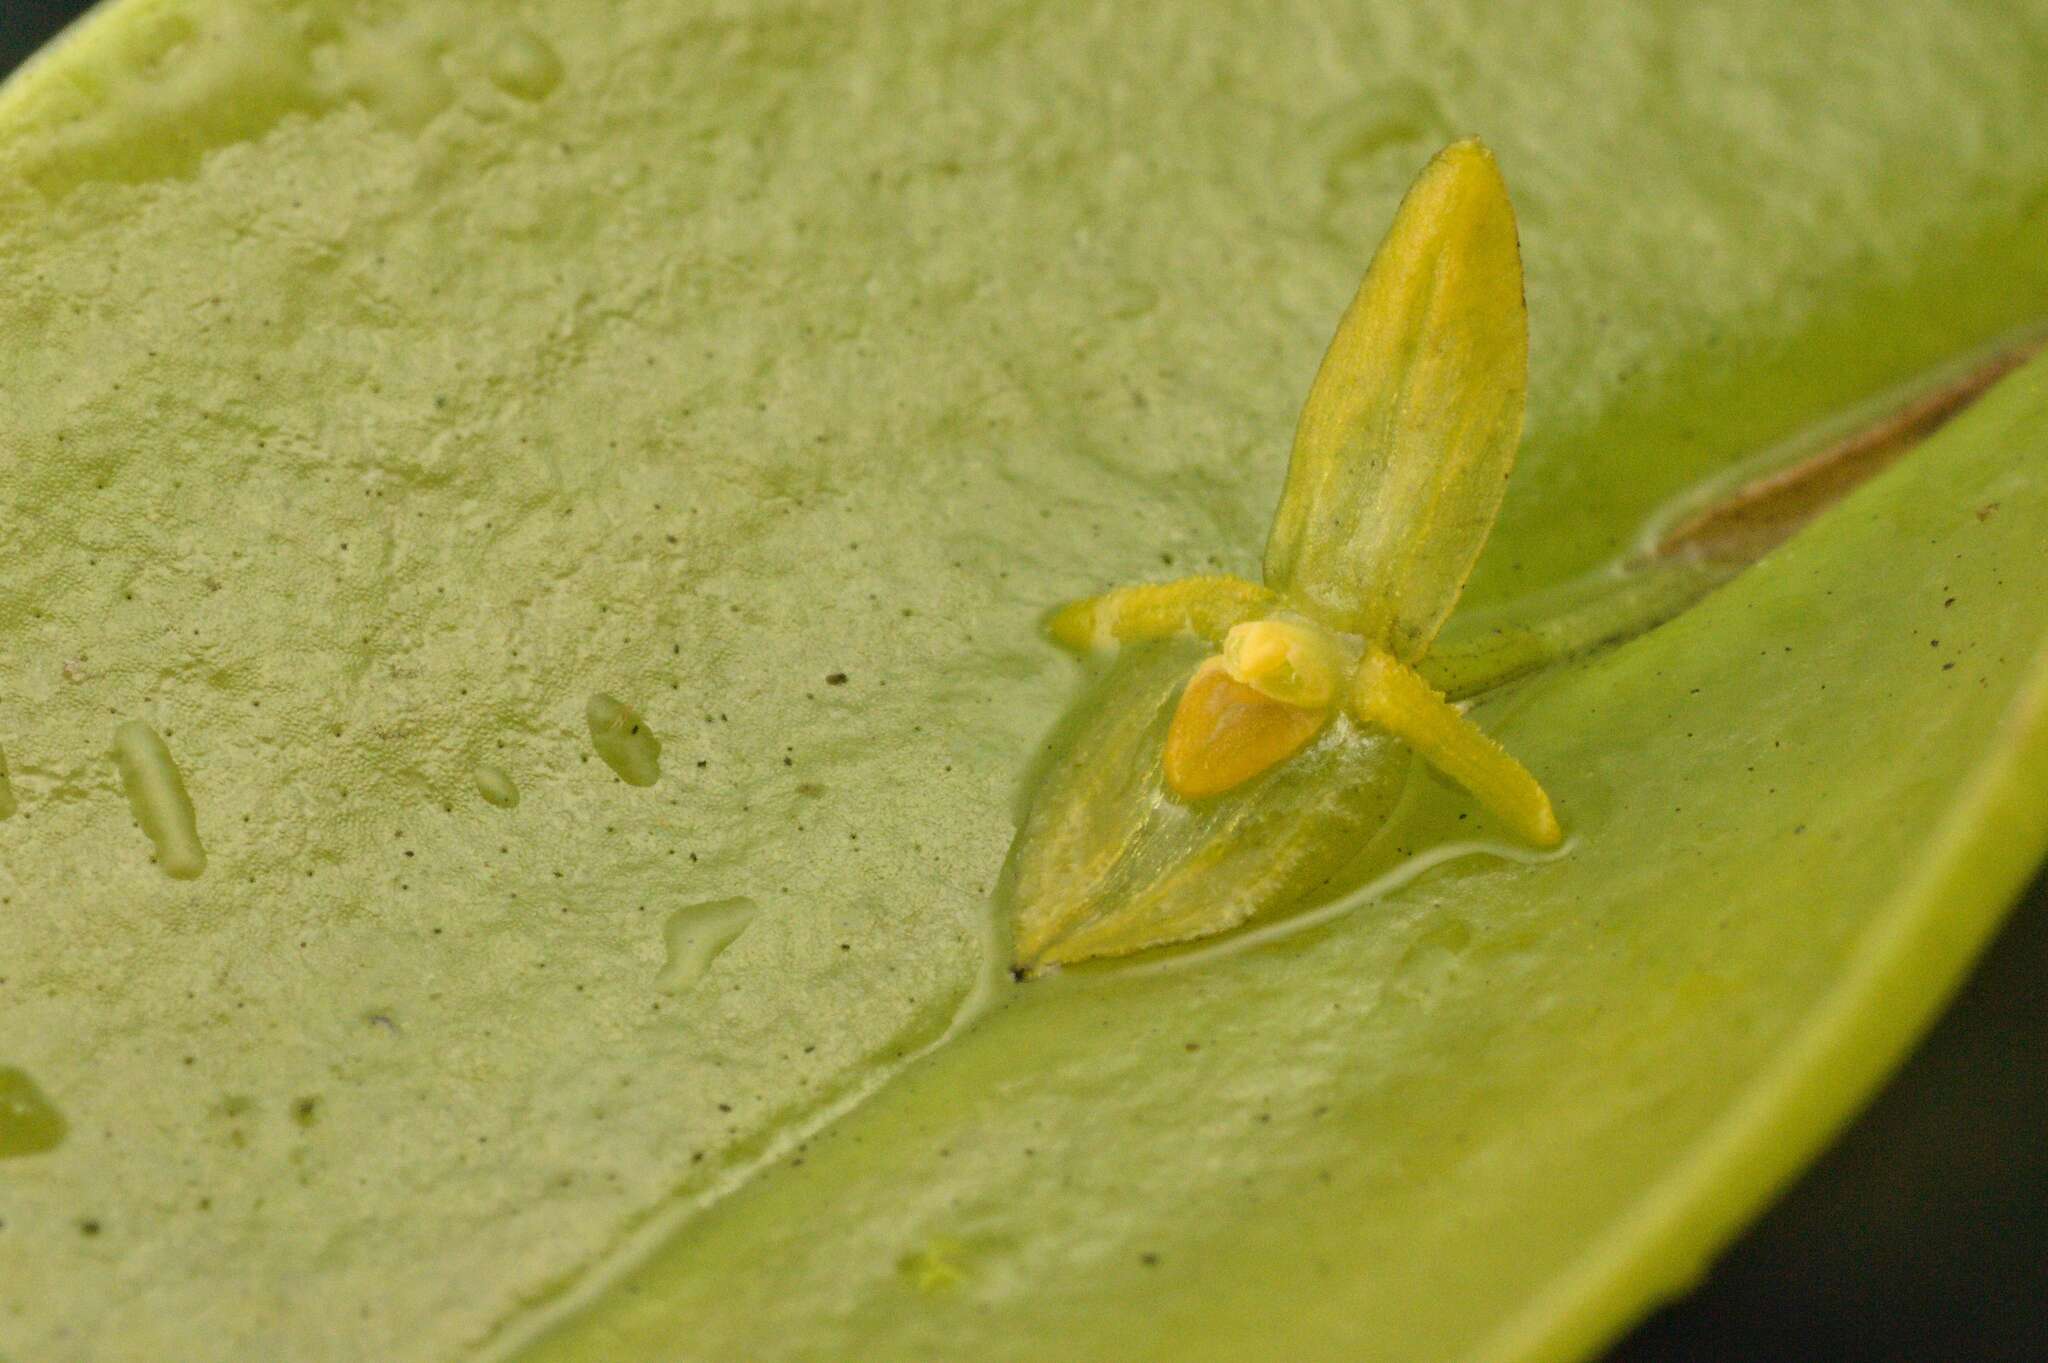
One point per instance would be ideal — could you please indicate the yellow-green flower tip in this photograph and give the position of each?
(1286, 661)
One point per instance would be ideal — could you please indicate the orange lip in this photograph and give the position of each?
(1224, 733)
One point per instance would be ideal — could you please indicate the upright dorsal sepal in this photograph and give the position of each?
(1148, 833)
(1404, 446)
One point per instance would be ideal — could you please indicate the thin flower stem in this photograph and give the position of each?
(1493, 647)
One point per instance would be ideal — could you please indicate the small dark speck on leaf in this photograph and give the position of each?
(836, 679)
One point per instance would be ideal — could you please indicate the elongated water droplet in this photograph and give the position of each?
(1432, 960)
(939, 1265)
(156, 792)
(623, 740)
(695, 935)
(496, 787)
(396, 73)
(523, 65)
(29, 1123)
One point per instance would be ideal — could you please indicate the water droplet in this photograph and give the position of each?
(29, 1124)
(623, 740)
(939, 1266)
(1432, 958)
(156, 793)
(696, 934)
(1447, 938)
(524, 66)
(396, 74)
(1127, 300)
(496, 787)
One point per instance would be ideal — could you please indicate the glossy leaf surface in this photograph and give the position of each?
(372, 400)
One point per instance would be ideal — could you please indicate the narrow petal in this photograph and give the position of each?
(1205, 607)
(1393, 696)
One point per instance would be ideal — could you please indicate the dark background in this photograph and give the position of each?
(1921, 1237)
(25, 24)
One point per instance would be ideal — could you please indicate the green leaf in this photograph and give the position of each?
(372, 400)
(1412, 424)
(1492, 1114)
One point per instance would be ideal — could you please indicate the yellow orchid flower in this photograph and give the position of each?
(1400, 460)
